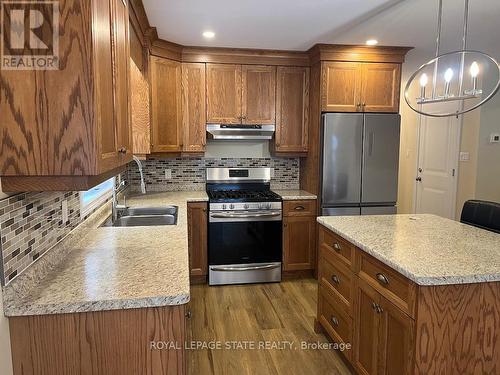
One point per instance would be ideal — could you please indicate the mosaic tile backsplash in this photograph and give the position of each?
(189, 173)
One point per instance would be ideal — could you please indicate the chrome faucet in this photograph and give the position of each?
(139, 164)
(115, 207)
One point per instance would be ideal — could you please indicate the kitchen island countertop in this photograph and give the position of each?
(427, 249)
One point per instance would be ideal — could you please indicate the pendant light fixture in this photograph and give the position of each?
(455, 77)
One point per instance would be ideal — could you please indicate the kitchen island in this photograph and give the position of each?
(104, 293)
(413, 294)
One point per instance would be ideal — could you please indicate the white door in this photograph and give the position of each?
(436, 178)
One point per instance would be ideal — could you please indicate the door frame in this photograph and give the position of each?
(458, 143)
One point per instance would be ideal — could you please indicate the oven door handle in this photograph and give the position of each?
(244, 216)
(250, 268)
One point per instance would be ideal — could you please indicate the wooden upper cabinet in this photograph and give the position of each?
(224, 94)
(166, 126)
(292, 110)
(258, 94)
(360, 87)
(193, 107)
(340, 87)
(380, 87)
(122, 79)
(73, 121)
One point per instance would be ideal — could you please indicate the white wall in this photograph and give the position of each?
(5, 354)
(488, 154)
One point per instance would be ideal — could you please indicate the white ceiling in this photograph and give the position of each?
(298, 24)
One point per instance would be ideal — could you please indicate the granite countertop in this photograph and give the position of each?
(111, 268)
(290, 195)
(427, 249)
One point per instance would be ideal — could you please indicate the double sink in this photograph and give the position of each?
(143, 216)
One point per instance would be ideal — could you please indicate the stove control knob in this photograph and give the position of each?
(268, 206)
(231, 206)
(223, 206)
(245, 206)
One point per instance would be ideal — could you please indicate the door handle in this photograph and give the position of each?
(250, 268)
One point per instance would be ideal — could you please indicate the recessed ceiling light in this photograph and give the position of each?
(208, 34)
(372, 42)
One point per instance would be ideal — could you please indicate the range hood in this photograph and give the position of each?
(240, 132)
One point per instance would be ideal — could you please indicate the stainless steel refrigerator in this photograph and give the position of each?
(360, 161)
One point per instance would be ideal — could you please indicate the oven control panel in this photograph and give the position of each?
(249, 206)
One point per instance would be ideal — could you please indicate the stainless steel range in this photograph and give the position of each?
(244, 227)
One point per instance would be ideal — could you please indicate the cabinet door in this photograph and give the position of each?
(224, 94)
(121, 71)
(258, 94)
(166, 105)
(193, 107)
(299, 242)
(340, 91)
(396, 341)
(292, 109)
(380, 87)
(366, 329)
(108, 157)
(197, 238)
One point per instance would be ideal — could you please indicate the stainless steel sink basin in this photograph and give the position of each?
(144, 216)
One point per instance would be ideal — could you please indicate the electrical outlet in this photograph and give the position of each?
(64, 211)
(495, 138)
(464, 156)
(168, 174)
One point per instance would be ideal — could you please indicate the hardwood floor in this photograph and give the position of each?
(260, 314)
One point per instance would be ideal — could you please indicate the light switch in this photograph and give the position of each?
(464, 156)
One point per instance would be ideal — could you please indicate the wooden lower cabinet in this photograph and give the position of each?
(400, 328)
(299, 235)
(101, 342)
(197, 241)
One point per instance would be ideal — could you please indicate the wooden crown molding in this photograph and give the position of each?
(357, 53)
(319, 52)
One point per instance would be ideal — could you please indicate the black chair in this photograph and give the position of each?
(482, 214)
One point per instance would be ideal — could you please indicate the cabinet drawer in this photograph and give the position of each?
(337, 278)
(338, 246)
(299, 208)
(391, 284)
(336, 322)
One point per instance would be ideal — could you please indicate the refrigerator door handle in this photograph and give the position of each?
(371, 141)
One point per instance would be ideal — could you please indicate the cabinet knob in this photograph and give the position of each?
(122, 150)
(382, 278)
(337, 246)
(189, 314)
(334, 320)
(335, 279)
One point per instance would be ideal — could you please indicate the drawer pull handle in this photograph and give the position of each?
(337, 246)
(335, 279)
(300, 208)
(335, 321)
(382, 278)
